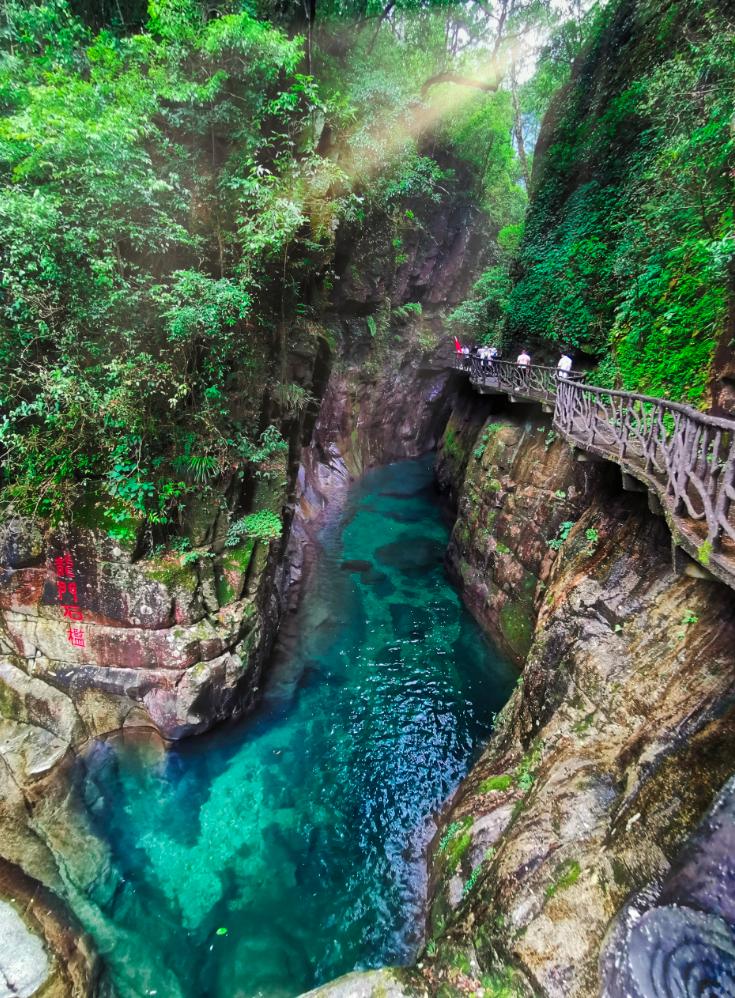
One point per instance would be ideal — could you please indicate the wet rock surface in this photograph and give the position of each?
(678, 938)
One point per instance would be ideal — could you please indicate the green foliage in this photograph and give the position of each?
(165, 213)
(451, 830)
(496, 783)
(592, 537)
(145, 183)
(472, 879)
(630, 230)
(505, 983)
(562, 534)
(193, 557)
(524, 774)
(456, 849)
(263, 526)
(411, 308)
(564, 43)
(450, 444)
(481, 317)
(688, 620)
(455, 842)
(293, 399)
(704, 553)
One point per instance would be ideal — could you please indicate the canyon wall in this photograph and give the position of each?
(615, 744)
(619, 154)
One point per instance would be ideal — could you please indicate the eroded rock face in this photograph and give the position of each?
(163, 643)
(514, 483)
(51, 950)
(615, 743)
(679, 936)
(170, 643)
(49, 849)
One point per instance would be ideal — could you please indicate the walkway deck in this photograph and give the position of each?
(683, 458)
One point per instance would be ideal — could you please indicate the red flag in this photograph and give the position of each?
(458, 345)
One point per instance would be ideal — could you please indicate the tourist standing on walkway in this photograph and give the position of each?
(524, 363)
(564, 366)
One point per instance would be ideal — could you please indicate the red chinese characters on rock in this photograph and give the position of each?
(66, 590)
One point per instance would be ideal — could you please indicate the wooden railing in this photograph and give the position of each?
(683, 456)
(533, 382)
(687, 454)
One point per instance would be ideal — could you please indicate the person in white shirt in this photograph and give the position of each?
(524, 367)
(564, 366)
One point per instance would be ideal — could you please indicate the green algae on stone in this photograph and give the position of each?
(495, 783)
(566, 876)
(517, 628)
(170, 571)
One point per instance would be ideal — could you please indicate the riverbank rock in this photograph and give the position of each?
(24, 965)
(372, 984)
(170, 641)
(514, 484)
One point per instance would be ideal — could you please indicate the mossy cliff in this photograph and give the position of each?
(628, 246)
(514, 484)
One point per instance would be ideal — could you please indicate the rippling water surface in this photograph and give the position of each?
(271, 856)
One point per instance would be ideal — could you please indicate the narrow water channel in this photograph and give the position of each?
(276, 854)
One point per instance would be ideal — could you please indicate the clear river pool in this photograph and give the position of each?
(278, 853)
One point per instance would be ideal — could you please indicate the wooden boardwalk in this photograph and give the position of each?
(683, 459)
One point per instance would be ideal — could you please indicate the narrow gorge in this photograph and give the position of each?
(324, 669)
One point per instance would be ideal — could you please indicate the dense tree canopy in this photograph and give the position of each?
(167, 194)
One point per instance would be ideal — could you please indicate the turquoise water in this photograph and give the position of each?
(273, 855)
